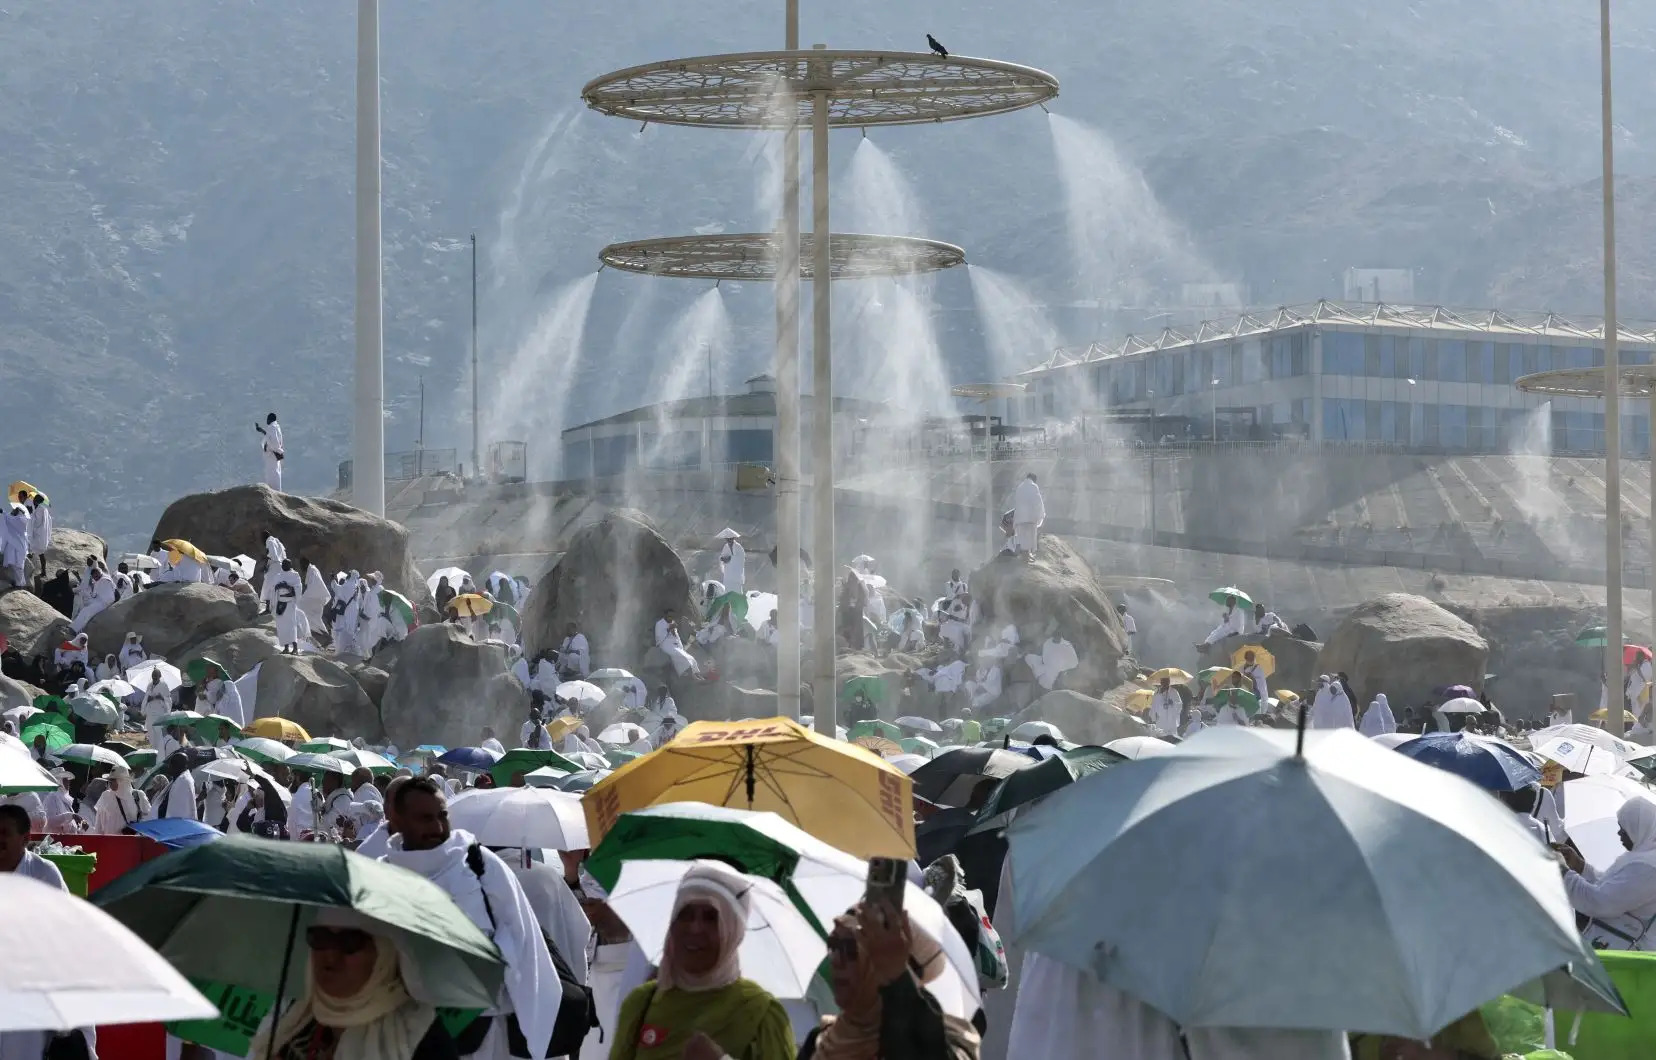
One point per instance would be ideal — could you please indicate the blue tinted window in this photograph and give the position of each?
(1452, 362)
(743, 446)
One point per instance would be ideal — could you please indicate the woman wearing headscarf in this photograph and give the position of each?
(1378, 719)
(1621, 900)
(355, 1004)
(120, 806)
(699, 1007)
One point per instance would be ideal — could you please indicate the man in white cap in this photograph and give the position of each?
(732, 561)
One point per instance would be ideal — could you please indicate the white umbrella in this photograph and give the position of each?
(19, 773)
(908, 763)
(780, 952)
(20, 715)
(1148, 875)
(138, 561)
(610, 673)
(1394, 740)
(1590, 805)
(243, 565)
(544, 777)
(366, 760)
(313, 762)
(584, 693)
(1462, 705)
(69, 964)
(587, 760)
(919, 724)
(224, 769)
(1029, 730)
(1139, 747)
(760, 605)
(622, 733)
(522, 817)
(1589, 734)
(273, 749)
(138, 674)
(1579, 757)
(455, 576)
(113, 686)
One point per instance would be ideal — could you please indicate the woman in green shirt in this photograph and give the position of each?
(699, 1007)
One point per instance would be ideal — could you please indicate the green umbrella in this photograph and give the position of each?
(234, 911)
(737, 602)
(618, 757)
(1205, 677)
(397, 603)
(507, 612)
(873, 689)
(875, 728)
(1044, 778)
(54, 704)
(369, 760)
(95, 709)
(186, 718)
(1242, 599)
(57, 731)
(198, 670)
(325, 745)
(264, 751)
(918, 745)
(1240, 698)
(141, 759)
(208, 727)
(760, 844)
(526, 760)
(1593, 637)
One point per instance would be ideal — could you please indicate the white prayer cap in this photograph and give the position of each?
(726, 534)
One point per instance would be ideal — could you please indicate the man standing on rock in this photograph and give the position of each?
(1166, 708)
(283, 589)
(273, 449)
(40, 530)
(14, 544)
(1028, 513)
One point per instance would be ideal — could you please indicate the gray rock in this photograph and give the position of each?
(373, 681)
(1296, 662)
(331, 533)
(31, 624)
(447, 687)
(319, 694)
(616, 578)
(1404, 646)
(721, 700)
(1082, 719)
(173, 618)
(69, 548)
(237, 651)
(15, 693)
(1058, 587)
(745, 662)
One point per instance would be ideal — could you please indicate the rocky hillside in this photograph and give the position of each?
(175, 196)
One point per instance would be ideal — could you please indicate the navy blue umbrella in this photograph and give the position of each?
(1486, 762)
(475, 759)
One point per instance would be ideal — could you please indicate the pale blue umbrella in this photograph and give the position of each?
(1240, 883)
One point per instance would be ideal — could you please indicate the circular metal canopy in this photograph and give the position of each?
(1636, 381)
(752, 256)
(750, 90)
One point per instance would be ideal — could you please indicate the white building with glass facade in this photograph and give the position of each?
(1415, 377)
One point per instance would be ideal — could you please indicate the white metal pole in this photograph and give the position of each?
(823, 685)
(1612, 406)
(477, 432)
(988, 486)
(368, 441)
(1650, 571)
(787, 408)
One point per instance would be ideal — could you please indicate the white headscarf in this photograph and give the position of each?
(1378, 719)
(727, 891)
(1637, 817)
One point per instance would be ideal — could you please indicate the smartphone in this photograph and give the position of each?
(887, 879)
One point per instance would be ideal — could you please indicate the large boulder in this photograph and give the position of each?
(721, 700)
(14, 693)
(617, 577)
(69, 548)
(1057, 589)
(237, 651)
(330, 533)
(1082, 719)
(30, 624)
(1296, 662)
(1404, 646)
(172, 616)
(317, 693)
(446, 687)
(373, 680)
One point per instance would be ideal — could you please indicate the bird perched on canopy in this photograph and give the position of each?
(936, 47)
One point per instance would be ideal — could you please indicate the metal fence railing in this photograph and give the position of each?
(410, 464)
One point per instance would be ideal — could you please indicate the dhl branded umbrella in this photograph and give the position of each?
(1266, 661)
(842, 794)
(1139, 701)
(178, 548)
(18, 488)
(561, 726)
(1627, 716)
(1172, 673)
(471, 604)
(278, 729)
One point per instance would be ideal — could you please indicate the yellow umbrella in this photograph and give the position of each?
(1221, 676)
(879, 745)
(178, 547)
(471, 604)
(1138, 702)
(1603, 713)
(1266, 661)
(279, 729)
(1172, 673)
(844, 795)
(18, 488)
(562, 726)
(1284, 695)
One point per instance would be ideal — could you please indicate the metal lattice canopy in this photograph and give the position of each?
(750, 90)
(752, 256)
(1636, 381)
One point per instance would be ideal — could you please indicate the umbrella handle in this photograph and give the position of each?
(281, 983)
(1299, 737)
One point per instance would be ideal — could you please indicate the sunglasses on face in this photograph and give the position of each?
(346, 941)
(843, 948)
